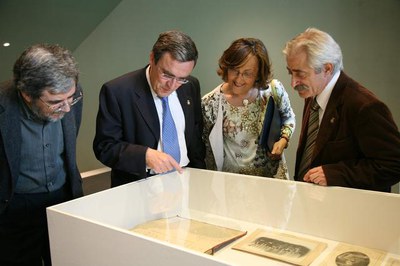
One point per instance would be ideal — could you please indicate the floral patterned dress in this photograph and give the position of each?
(241, 127)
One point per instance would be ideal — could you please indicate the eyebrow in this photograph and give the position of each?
(59, 101)
(244, 69)
(295, 70)
(169, 73)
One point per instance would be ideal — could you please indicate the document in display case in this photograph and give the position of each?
(282, 246)
(345, 254)
(189, 233)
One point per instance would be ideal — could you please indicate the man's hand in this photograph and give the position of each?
(161, 162)
(316, 175)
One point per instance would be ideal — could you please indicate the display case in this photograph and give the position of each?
(95, 229)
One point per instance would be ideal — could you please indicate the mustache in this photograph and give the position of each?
(301, 87)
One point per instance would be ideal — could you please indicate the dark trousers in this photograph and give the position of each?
(23, 229)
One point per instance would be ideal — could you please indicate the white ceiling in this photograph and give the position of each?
(65, 22)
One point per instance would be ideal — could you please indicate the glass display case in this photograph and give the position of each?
(96, 229)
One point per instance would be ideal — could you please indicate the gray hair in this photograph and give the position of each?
(320, 48)
(45, 67)
(178, 44)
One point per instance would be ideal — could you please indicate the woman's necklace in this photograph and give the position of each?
(253, 95)
(237, 100)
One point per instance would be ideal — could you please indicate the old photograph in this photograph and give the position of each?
(346, 254)
(281, 246)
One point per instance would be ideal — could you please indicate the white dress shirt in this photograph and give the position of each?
(177, 115)
(323, 98)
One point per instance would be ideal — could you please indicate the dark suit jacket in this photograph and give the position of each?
(127, 123)
(358, 143)
(10, 144)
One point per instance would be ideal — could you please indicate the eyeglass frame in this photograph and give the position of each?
(245, 75)
(169, 77)
(58, 107)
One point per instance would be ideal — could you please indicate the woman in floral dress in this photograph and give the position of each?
(234, 112)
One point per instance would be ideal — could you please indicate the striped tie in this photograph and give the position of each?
(312, 132)
(169, 134)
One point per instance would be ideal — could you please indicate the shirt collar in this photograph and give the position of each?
(324, 96)
(27, 113)
(148, 81)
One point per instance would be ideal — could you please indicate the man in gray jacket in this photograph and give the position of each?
(40, 115)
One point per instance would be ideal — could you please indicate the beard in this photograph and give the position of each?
(45, 116)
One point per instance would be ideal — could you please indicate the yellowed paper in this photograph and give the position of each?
(188, 233)
(393, 262)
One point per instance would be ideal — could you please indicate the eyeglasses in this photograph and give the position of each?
(58, 107)
(171, 77)
(245, 75)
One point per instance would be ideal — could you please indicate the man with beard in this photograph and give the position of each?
(348, 136)
(40, 115)
(140, 111)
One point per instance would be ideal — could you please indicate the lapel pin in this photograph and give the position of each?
(332, 120)
(188, 102)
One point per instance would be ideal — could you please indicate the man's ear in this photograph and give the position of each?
(151, 61)
(26, 97)
(328, 68)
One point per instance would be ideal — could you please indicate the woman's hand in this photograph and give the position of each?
(277, 150)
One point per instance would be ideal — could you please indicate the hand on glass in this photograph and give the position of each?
(161, 162)
(316, 175)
